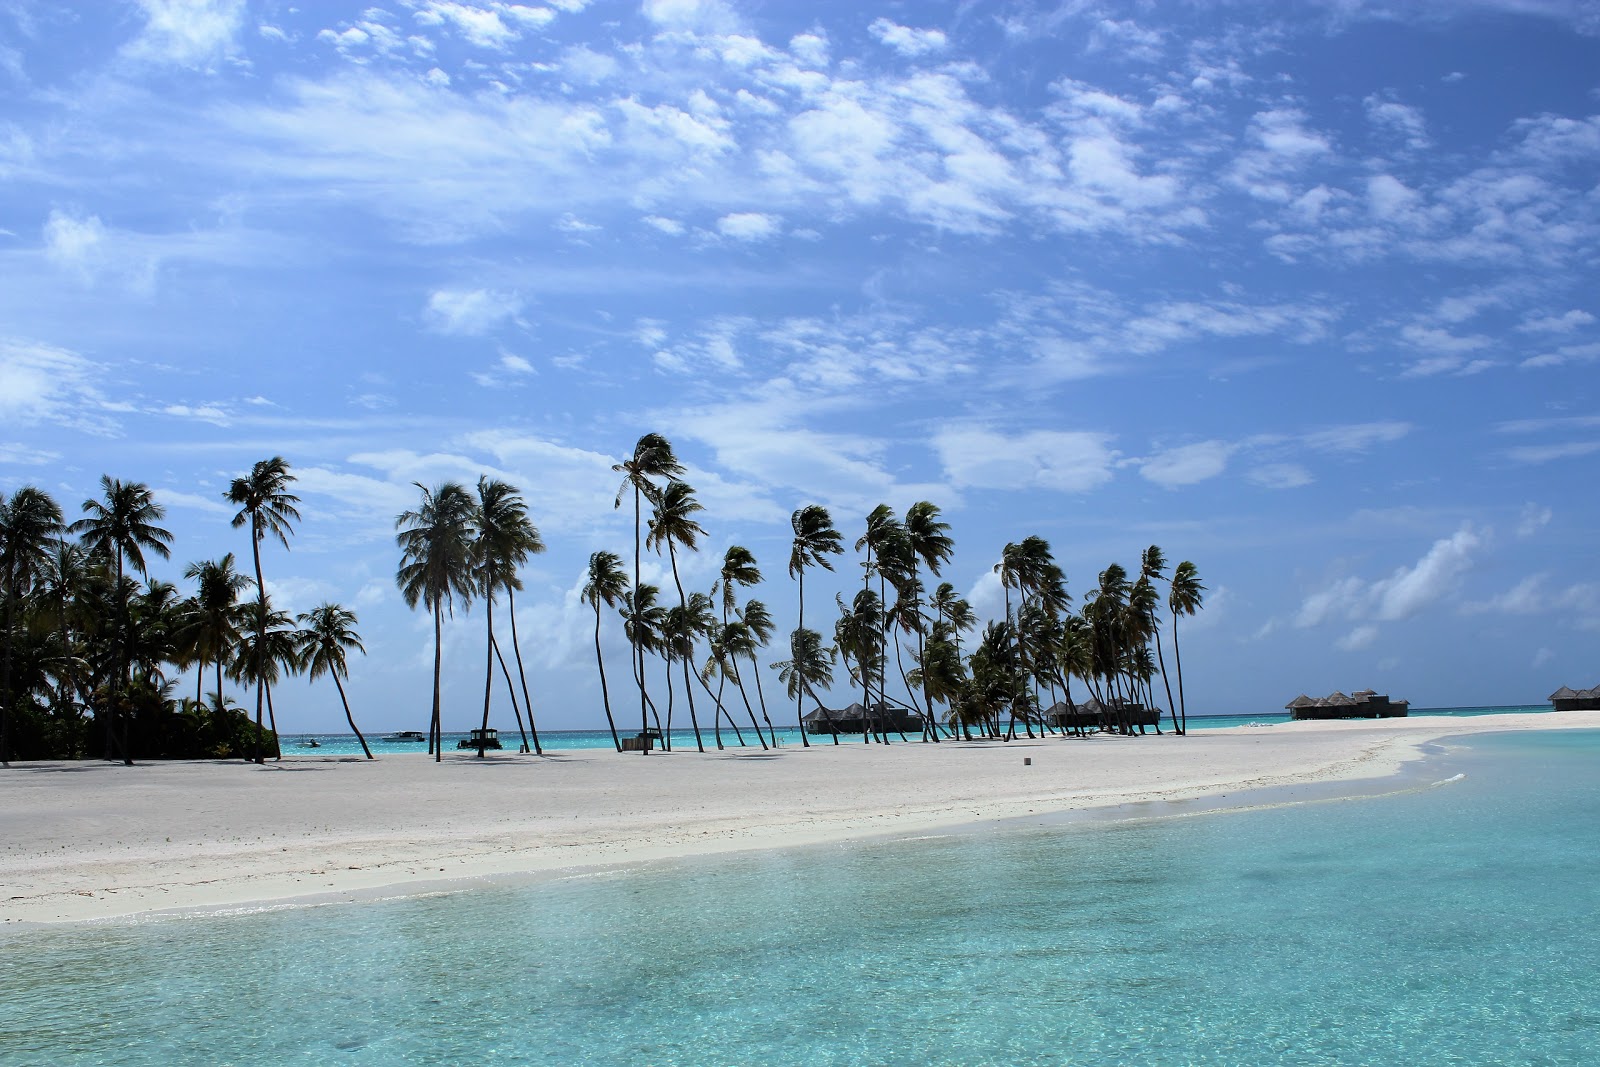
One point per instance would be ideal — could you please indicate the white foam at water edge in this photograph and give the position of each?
(1453, 778)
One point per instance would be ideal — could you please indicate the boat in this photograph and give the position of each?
(407, 735)
(311, 742)
(490, 738)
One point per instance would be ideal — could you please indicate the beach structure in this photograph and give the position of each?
(642, 742)
(489, 738)
(1109, 715)
(854, 720)
(1362, 704)
(1565, 699)
(407, 736)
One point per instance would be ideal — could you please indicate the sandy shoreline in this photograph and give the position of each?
(101, 841)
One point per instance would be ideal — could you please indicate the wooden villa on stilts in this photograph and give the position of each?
(1091, 714)
(1362, 704)
(1565, 699)
(854, 720)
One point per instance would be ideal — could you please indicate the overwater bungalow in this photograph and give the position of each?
(1565, 699)
(1092, 714)
(1362, 704)
(853, 720)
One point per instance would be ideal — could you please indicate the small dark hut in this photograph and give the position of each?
(1092, 714)
(1565, 699)
(1362, 704)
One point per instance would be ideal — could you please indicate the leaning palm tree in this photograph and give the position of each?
(518, 538)
(652, 458)
(644, 624)
(329, 631)
(264, 501)
(503, 538)
(265, 654)
(1184, 598)
(815, 539)
(607, 585)
(673, 524)
(29, 524)
(121, 529)
(758, 623)
(436, 568)
(931, 544)
(1152, 565)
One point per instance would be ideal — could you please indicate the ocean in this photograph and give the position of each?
(342, 744)
(1448, 920)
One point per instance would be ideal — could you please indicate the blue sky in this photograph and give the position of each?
(1303, 293)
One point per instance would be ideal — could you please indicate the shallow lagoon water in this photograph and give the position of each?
(1443, 924)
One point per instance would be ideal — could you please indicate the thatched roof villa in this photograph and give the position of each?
(1362, 704)
(1565, 699)
(1092, 713)
(853, 720)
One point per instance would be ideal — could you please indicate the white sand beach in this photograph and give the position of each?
(102, 841)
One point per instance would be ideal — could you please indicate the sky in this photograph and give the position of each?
(1303, 293)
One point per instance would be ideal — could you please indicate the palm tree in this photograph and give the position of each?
(644, 623)
(810, 665)
(1024, 567)
(652, 458)
(815, 539)
(29, 524)
(329, 632)
(607, 585)
(212, 627)
(880, 544)
(929, 541)
(265, 653)
(121, 529)
(1152, 565)
(672, 524)
(264, 501)
(758, 624)
(436, 567)
(1184, 599)
(521, 540)
(856, 633)
(504, 538)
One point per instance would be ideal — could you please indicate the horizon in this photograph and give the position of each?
(1306, 298)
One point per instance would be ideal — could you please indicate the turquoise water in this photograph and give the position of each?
(1446, 924)
(568, 740)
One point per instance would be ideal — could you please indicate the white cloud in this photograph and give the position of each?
(1067, 461)
(906, 40)
(1399, 120)
(1356, 437)
(75, 243)
(1406, 591)
(1188, 464)
(705, 16)
(1281, 476)
(42, 383)
(1533, 519)
(1359, 638)
(748, 226)
(670, 227)
(470, 311)
(1567, 322)
(188, 33)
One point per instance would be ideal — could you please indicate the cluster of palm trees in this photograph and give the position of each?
(91, 651)
(86, 641)
(1113, 644)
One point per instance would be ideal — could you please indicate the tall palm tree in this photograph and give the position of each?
(672, 524)
(30, 522)
(522, 540)
(607, 584)
(264, 501)
(329, 632)
(928, 538)
(652, 458)
(1025, 567)
(503, 539)
(758, 623)
(644, 624)
(880, 544)
(436, 567)
(856, 632)
(815, 539)
(122, 528)
(1153, 565)
(212, 627)
(1184, 598)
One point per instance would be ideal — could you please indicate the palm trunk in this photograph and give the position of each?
(348, 717)
(605, 694)
(261, 624)
(511, 691)
(683, 605)
(1177, 655)
(638, 650)
(755, 669)
(5, 679)
(800, 699)
(488, 674)
(435, 734)
(272, 723)
(516, 650)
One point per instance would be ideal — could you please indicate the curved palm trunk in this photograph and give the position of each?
(119, 686)
(350, 718)
(638, 649)
(683, 604)
(1177, 655)
(745, 696)
(755, 668)
(516, 649)
(5, 679)
(511, 691)
(272, 722)
(800, 699)
(488, 675)
(261, 625)
(605, 694)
